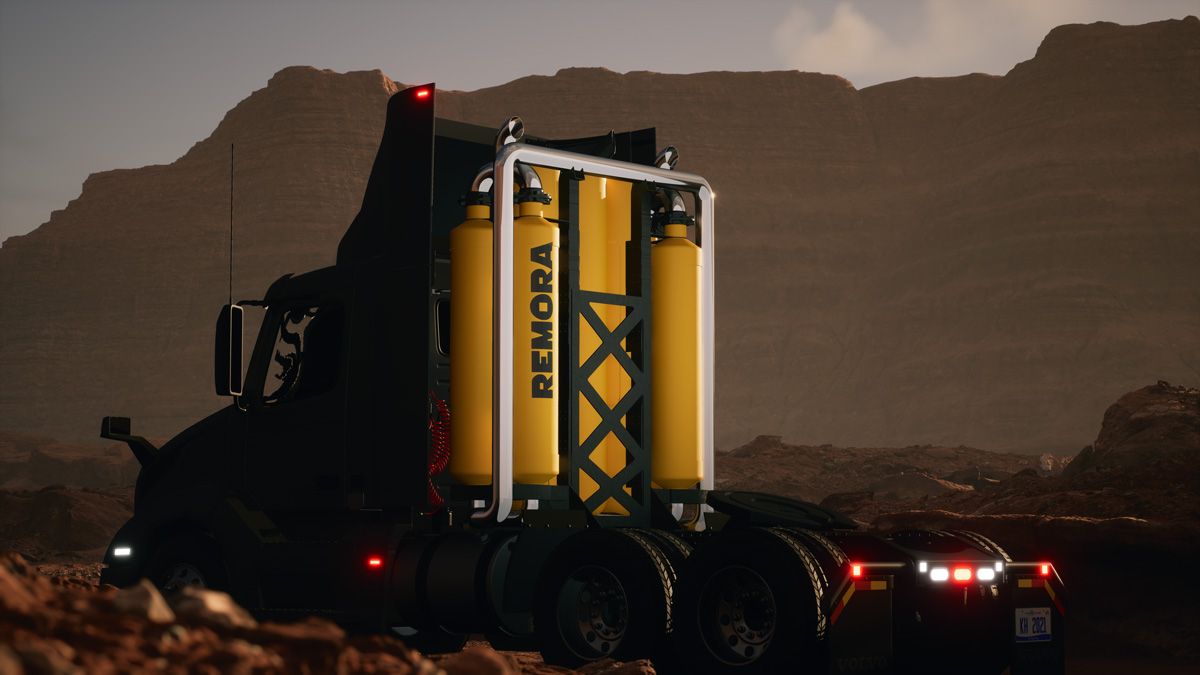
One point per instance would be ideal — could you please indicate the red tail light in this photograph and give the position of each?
(422, 93)
(962, 574)
(1045, 569)
(374, 562)
(856, 570)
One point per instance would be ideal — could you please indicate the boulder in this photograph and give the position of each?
(477, 659)
(144, 600)
(209, 607)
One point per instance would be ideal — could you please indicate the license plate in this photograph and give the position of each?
(1033, 624)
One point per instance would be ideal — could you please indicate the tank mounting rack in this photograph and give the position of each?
(500, 506)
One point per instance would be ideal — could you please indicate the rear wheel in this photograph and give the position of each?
(749, 602)
(504, 641)
(743, 606)
(190, 559)
(672, 546)
(604, 594)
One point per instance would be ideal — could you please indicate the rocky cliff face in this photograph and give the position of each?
(108, 308)
(984, 260)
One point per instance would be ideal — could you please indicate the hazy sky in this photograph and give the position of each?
(95, 85)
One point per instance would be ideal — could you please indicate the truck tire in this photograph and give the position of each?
(672, 545)
(677, 551)
(831, 559)
(187, 559)
(983, 542)
(749, 602)
(503, 641)
(603, 594)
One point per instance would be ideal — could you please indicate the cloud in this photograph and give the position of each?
(866, 44)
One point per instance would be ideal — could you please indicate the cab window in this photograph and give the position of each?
(306, 357)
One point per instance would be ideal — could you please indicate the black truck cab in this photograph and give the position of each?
(317, 489)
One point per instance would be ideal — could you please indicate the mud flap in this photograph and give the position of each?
(860, 626)
(1038, 624)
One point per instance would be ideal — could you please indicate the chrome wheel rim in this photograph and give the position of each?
(593, 611)
(181, 575)
(737, 615)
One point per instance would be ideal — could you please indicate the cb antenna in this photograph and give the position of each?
(231, 223)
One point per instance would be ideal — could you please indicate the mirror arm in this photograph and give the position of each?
(118, 429)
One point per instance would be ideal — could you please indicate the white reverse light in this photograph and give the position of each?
(922, 567)
(939, 574)
(122, 552)
(999, 566)
(985, 574)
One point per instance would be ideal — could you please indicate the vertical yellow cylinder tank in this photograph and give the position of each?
(535, 363)
(617, 215)
(676, 434)
(616, 233)
(535, 344)
(593, 270)
(471, 346)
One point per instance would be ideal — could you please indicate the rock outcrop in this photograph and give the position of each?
(979, 259)
(59, 523)
(1143, 465)
(812, 473)
(1152, 431)
(31, 462)
(1114, 521)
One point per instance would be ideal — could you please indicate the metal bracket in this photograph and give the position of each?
(610, 418)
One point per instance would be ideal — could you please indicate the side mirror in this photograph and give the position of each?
(227, 361)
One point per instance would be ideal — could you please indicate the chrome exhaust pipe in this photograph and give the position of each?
(670, 201)
(511, 131)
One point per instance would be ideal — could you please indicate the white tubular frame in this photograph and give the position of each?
(503, 264)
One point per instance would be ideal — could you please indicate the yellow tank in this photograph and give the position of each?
(535, 347)
(617, 233)
(593, 275)
(676, 434)
(535, 364)
(603, 233)
(471, 347)
(616, 207)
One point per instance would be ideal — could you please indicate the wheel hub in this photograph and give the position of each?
(593, 611)
(737, 615)
(180, 575)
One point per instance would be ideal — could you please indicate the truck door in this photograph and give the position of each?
(296, 413)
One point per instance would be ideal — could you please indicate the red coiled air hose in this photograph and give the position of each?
(439, 433)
